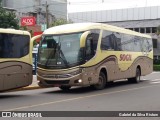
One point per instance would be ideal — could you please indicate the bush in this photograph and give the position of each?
(156, 67)
(156, 62)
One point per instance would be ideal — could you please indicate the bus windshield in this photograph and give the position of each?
(60, 51)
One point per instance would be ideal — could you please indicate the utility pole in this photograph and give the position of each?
(47, 17)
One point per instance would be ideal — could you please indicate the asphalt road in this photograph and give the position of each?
(118, 96)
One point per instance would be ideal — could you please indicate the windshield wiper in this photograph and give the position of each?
(63, 57)
(60, 55)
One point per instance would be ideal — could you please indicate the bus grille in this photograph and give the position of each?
(57, 76)
(57, 81)
(68, 75)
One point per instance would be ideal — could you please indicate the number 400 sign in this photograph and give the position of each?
(27, 21)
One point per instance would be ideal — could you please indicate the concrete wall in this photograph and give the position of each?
(57, 8)
(117, 15)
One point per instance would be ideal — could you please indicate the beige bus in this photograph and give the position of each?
(92, 54)
(15, 59)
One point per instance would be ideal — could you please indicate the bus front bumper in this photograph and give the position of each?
(56, 82)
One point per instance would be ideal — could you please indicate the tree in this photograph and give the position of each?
(7, 19)
(60, 21)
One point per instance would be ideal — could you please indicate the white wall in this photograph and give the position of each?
(116, 15)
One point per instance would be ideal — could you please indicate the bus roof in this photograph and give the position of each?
(78, 27)
(13, 31)
(69, 28)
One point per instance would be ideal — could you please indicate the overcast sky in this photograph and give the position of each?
(93, 5)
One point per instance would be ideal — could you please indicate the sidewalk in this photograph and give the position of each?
(34, 85)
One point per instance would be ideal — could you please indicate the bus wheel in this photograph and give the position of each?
(65, 88)
(137, 78)
(101, 83)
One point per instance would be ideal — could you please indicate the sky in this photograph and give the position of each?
(93, 5)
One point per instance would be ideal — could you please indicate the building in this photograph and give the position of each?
(142, 19)
(37, 8)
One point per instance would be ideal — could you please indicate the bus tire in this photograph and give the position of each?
(136, 79)
(65, 88)
(101, 82)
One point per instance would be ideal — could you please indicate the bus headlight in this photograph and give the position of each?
(79, 80)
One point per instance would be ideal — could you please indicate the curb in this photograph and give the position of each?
(25, 88)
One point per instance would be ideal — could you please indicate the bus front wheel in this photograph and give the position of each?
(101, 82)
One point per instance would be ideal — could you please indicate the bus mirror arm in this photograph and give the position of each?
(83, 39)
(34, 38)
(31, 43)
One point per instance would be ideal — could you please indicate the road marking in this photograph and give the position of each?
(76, 98)
(154, 72)
(156, 80)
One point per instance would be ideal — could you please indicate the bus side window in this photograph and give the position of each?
(105, 43)
(117, 39)
(88, 48)
(91, 45)
(149, 44)
(1, 46)
(111, 41)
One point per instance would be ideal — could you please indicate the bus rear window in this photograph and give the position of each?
(13, 45)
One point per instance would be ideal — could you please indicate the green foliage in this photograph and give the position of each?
(60, 21)
(156, 67)
(156, 62)
(0, 3)
(8, 19)
(23, 28)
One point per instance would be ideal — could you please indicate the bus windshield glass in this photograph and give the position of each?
(60, 51)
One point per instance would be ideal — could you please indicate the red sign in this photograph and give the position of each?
(28, 21)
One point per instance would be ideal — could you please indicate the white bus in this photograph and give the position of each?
(93, 54)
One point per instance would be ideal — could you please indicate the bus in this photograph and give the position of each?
(92, 54)
(15, 59)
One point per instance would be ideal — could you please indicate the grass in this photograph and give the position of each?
(156, 67)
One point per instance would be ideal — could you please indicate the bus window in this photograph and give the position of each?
(111, 41)
(106, 43)
(91, 44)
(147, 45)
(127, 43)
(1, 45)
(13, 47)
(117, 40)
(137, 43)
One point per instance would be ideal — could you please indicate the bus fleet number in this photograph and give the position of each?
(125, 57)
